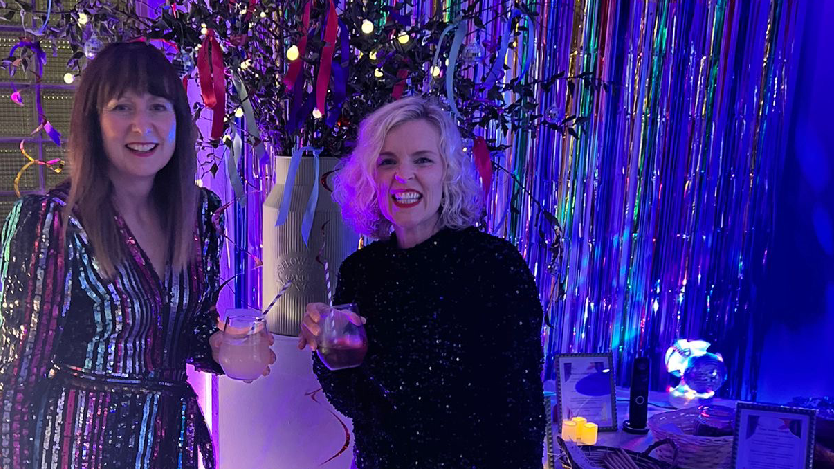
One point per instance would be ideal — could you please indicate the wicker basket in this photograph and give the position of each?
(597, 454)
(694, 452)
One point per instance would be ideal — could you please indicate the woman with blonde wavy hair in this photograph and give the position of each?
(451, 378)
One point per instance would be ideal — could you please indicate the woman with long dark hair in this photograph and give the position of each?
(108, 284)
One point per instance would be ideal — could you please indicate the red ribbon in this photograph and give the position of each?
(399, 87)
(295, 65)
(212, 76)
(483, 163)
(323, 78)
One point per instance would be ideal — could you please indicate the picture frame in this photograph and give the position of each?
(585, 388)
(780, 436)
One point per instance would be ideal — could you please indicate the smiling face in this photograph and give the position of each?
(139, 133)
(409, 181)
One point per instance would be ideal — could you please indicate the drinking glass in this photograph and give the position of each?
(244, 350)
(341, 343)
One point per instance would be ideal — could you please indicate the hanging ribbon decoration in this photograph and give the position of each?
(450, 69)
(289, 184)
(38, 32)
(232, 163)
(55, 164)
(496, 72)
(249, 113)
(399, 87)
(340, 71)
(483, 163)
(297, 64)
(212, 75)
(331, 28)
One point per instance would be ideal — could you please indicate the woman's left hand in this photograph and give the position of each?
(216, 340)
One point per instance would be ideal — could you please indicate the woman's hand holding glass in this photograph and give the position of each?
(242, 347)
(336, 333)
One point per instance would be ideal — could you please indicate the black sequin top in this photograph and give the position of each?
(452, 378)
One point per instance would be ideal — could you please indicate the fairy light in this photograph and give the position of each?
(316, 113)
(239, 112)
(372, 55)
(203, 29)
(378, 73)
(292, 53)
(367, 27)
(82, 19)
(403, 38)
(435, 71)
(69, 78)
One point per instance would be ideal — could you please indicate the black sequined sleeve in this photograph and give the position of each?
(513, 362)
(344, 388)
(204, 322)
(33, 279)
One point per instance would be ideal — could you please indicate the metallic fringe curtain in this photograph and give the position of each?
(665, 197)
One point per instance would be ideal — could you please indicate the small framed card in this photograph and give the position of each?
(585, 388)
(773, 437)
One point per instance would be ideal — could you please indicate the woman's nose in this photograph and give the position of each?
(142, 122)
(403, 174)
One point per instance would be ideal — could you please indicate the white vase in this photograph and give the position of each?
(285, 256)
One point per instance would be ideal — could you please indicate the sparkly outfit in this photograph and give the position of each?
(452, 377)
(92, 372)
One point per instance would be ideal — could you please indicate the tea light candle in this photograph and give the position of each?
(588, 433)
(569, 430)
(579, 421)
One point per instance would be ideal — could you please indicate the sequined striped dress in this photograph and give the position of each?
(92, 372)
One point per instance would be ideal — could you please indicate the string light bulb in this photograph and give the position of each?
(435, 71)
(69, 78)
(372, 55)
(367, 27)
(203, 29)
(82, 19)
(378, 73)
(292, 53)
(316, 113)
(239, 113)
(403, 38)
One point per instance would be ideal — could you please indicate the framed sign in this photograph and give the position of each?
(585, 388)
(773, 437)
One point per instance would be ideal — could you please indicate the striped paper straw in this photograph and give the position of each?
(279, 295)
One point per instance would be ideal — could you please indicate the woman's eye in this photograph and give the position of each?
(386, 162)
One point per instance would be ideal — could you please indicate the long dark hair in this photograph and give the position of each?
(119, 68)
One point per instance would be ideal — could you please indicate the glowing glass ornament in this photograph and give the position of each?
(473, 53)
(92, 47)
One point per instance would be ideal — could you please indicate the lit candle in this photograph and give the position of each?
(569, 430)
(588, 433)
(579, 421)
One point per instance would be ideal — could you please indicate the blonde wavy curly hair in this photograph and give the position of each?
(354, 190)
